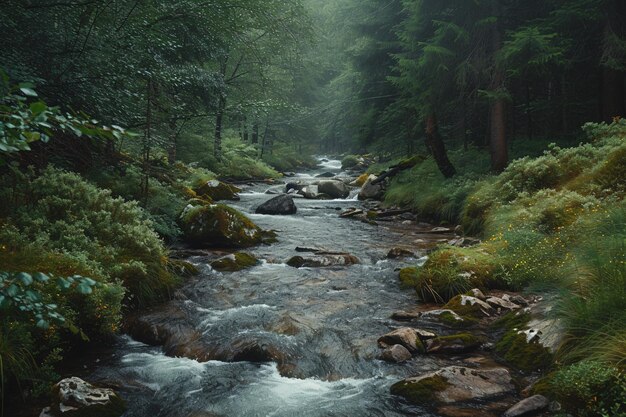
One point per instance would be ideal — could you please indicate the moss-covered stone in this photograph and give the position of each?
(456, 343)
(451, 320)
(361, 180)
(523, 354)
(217, 191)
(218, 225)
(468, 306)
(183, 268)
(234, 262)
(451, 271)
(408, 276)
(422, 391)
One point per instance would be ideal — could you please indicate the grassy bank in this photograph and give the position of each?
(555, 222)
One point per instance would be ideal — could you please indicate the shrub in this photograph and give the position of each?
(349, 161)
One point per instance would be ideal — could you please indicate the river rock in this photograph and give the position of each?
(409, 337)
(321, 260)
(395, 253)
(528, 406)
(325, 175)
(405, 315)
(74, 397)
(297, 186)
(516, 299)
(371, 191)
(475, 292)
(455, 384)
(234, 262)
(218, 225)
(439, 230)
(217, 190)
(466, 305)
(456, 343)
(500, 303)
(334, 189)
(282, 204)
(396, 353)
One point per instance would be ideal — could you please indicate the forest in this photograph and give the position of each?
(312, 207)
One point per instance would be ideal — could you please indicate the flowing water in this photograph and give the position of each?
(324, 321)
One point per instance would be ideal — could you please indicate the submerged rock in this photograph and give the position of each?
(218, 225)
(528, 406)
(455, 384)
(282, 204)
(325, 175)
(234, 262)
(333, 189)
(396, 353)
(217, 191)
(320, 260)
(395, 253)
(74, 397)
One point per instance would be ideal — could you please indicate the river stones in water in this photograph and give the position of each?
(77, 398)
(409, 337)
(322, 260)
(396, 353)
(325, 175)
(395, 253)
(334, 189)
(528, 406)
(455, 384)
(452, 344)
(218, 225)
(281, 205)
(217, 191)
(234, 262)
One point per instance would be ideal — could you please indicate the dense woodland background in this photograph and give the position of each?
(112, 111)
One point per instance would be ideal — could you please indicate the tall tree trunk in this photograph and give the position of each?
(437, 148)
(255, 132)
(171, 151)
(498, 140)
(613, 94)
(245, 129)
(219, 118)
(147, 138)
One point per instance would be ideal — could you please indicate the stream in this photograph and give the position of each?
(325, 320)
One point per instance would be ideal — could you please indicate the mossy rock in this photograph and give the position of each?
(450, 320)
(234, 262)
(182, 268)
(217, 190)
(422, 391)
(408, 276)
(468, 306)
(522, 354)
(455, 343)
(362, 179)
(84, 400)
(451, 271)
(218, 225)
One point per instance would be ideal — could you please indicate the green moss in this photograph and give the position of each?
(422, 392)
(235, 262)
(219, 225)
(467, 339)
(467, 310)
(349, 161)
(450, 320)
(408, 277)
(216, 190)
(451, 271)
(183, 268)
(525, 356)
(372, 215)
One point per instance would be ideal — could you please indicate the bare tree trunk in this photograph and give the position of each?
(245, 129)
(437, 148)
(217, 146)
(498, 140)
(147, 138)
(255, 132)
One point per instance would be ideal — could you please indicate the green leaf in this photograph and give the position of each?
(39, 277)
(84, 288)
(28, 92)
(38, 107)
(43, 324)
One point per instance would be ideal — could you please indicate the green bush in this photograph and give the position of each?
(591, 389)
(349, 161)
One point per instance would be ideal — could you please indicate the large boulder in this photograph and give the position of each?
(455, 384)
(409, 337)
(334, 189)
(217, 190)
(218, 225)
(73, 397)
(528, 406)
(372, 191)
(282, 204)
(396, 353)
(452, 344)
